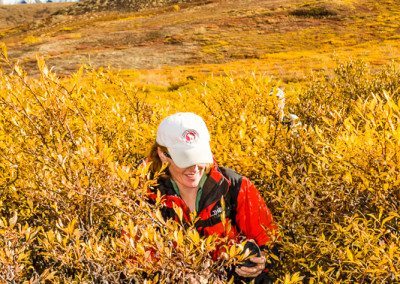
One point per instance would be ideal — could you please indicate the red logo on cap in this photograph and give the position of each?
(190, 136)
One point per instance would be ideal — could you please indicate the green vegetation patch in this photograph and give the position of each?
(318, 12)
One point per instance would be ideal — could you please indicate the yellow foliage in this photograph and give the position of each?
(31, 40)
(73, 186)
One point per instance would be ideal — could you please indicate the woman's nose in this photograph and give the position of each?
(194, 167)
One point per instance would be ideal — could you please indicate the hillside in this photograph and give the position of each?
(283, 38)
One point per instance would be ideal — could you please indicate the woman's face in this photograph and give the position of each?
(186, 178)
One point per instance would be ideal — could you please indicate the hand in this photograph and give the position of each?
(252, 271)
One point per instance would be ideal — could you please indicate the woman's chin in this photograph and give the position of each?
(192, 182)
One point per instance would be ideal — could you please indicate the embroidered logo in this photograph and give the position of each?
(190, 136)
(216, 212)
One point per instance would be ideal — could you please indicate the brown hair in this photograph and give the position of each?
(156, 163)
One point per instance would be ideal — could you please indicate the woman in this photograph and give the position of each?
(194, 182)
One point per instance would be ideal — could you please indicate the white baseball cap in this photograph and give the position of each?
(186, 137)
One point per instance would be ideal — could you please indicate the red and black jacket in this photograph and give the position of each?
(244, 207)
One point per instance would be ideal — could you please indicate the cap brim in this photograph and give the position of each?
(183, 158)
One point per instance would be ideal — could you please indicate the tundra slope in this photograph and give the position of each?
(277, 37)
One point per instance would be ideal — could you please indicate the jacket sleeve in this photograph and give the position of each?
(253, 217)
